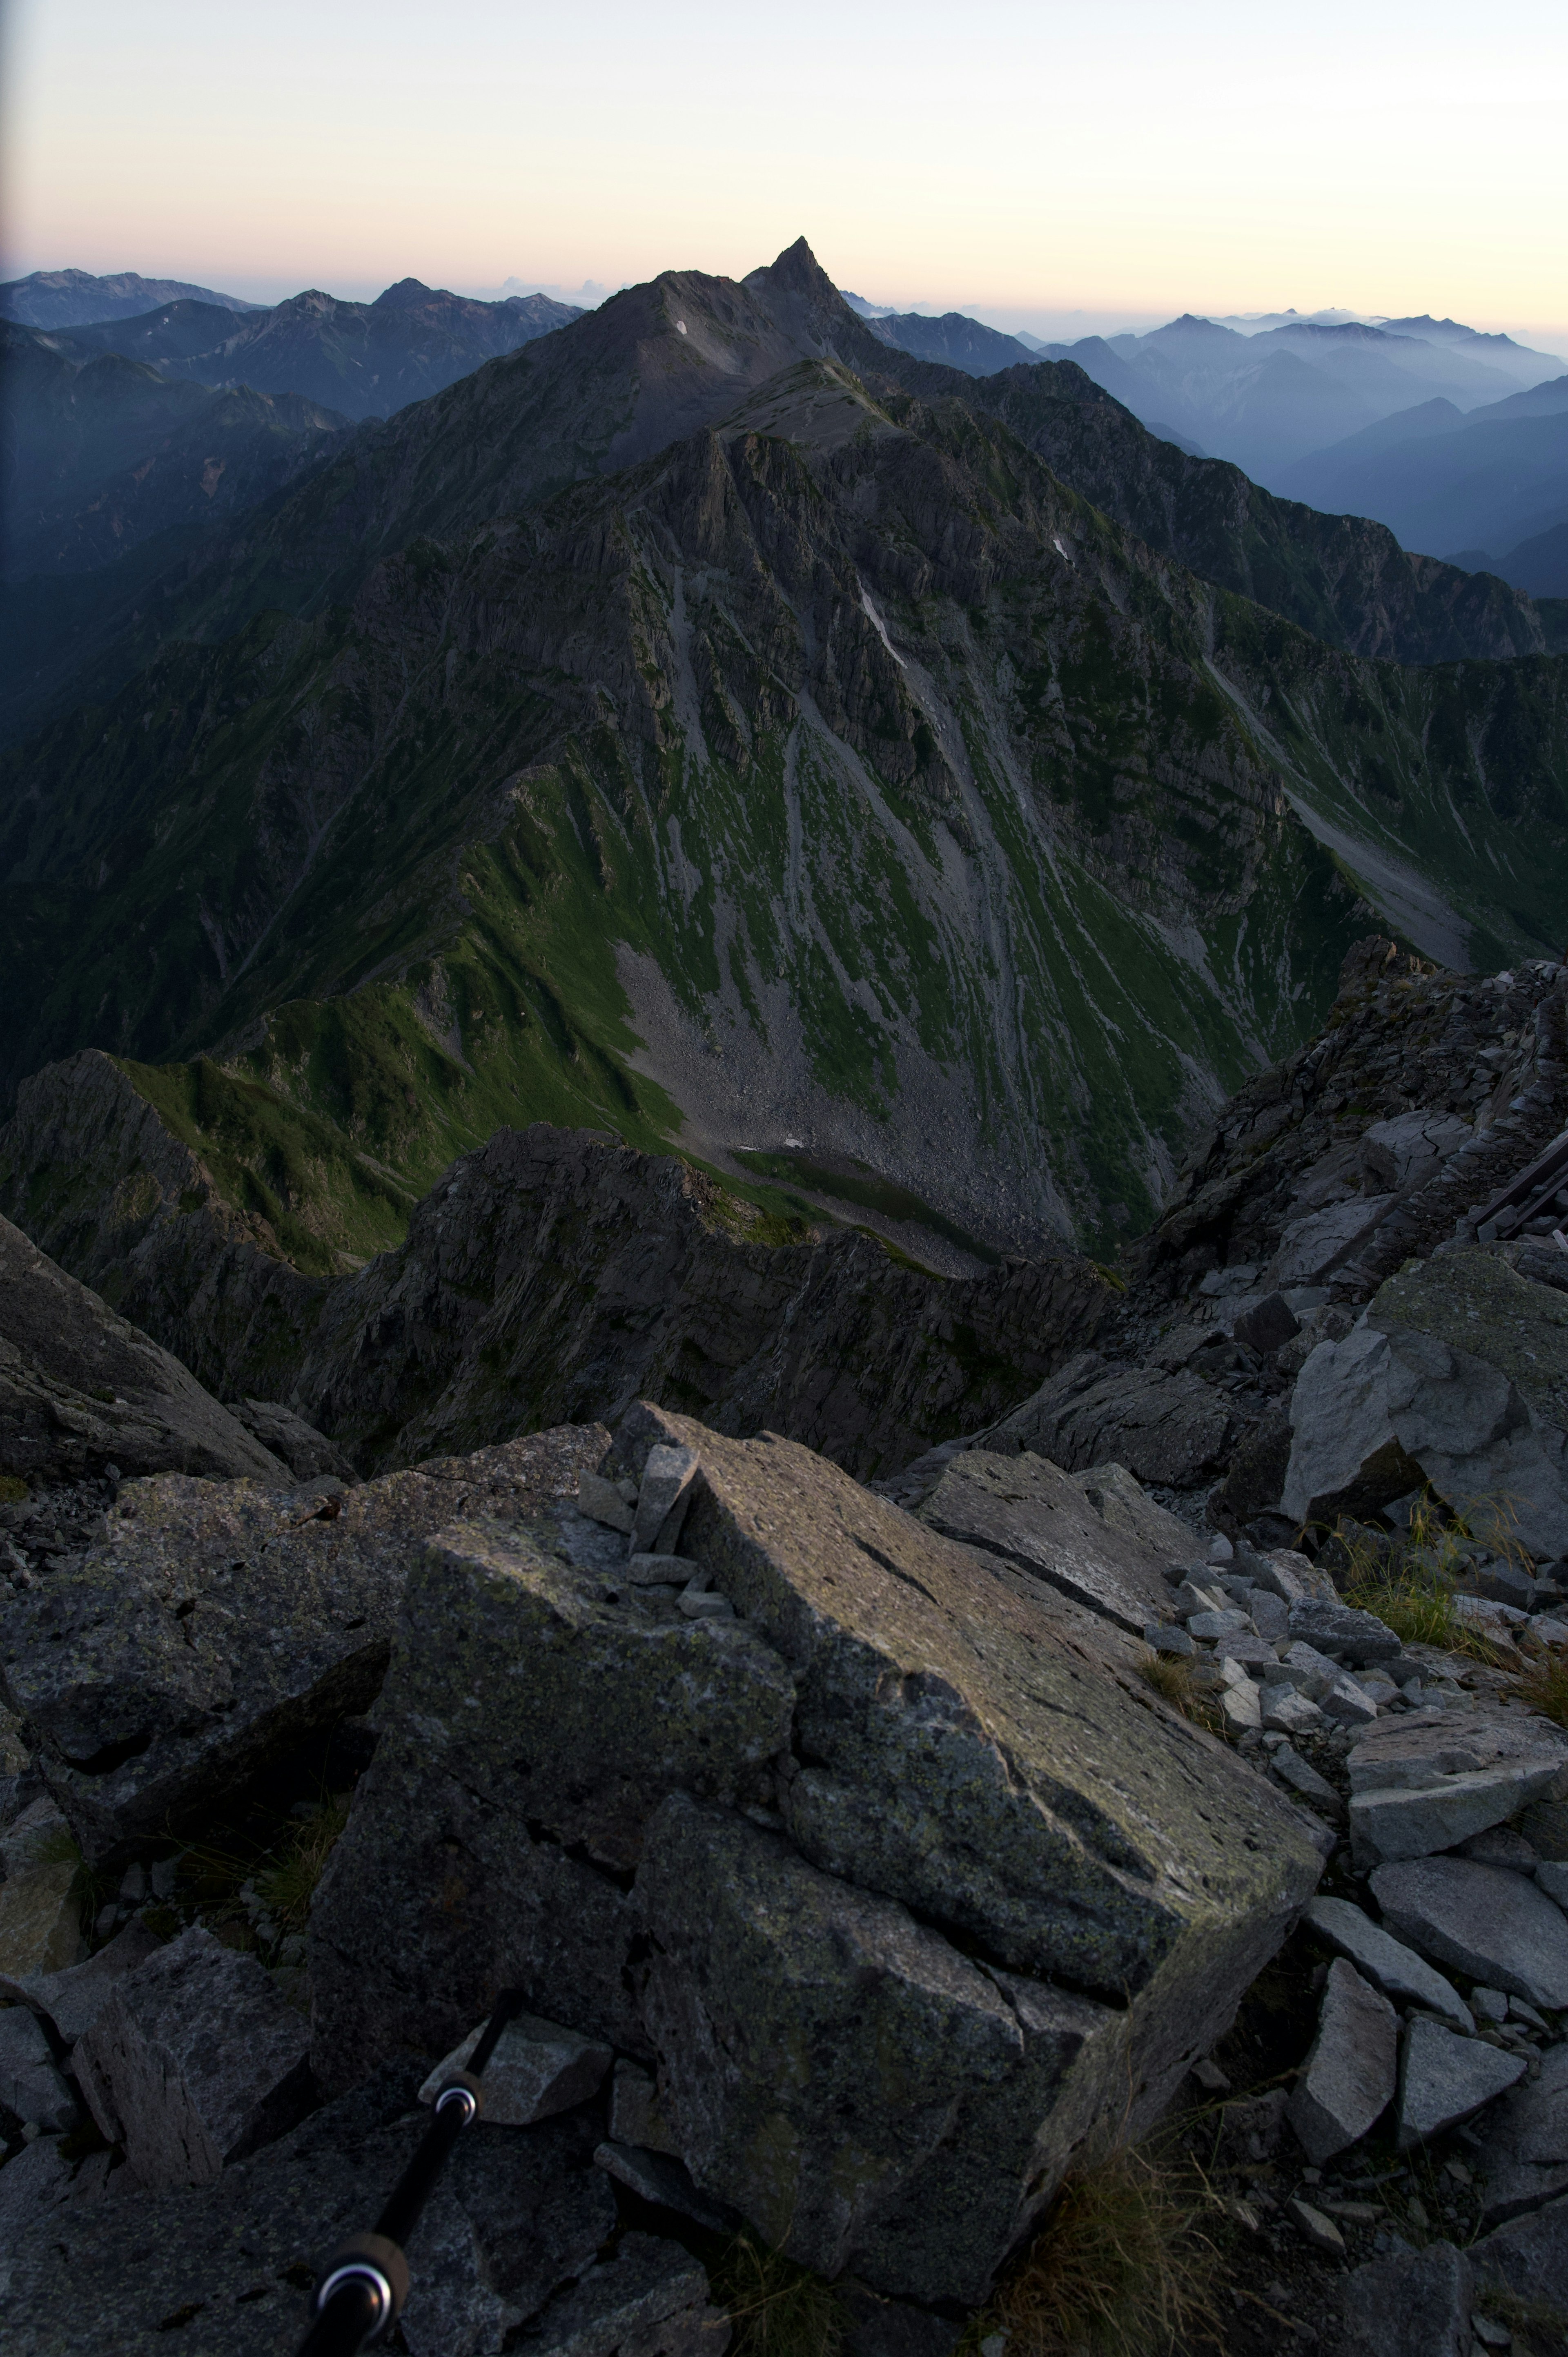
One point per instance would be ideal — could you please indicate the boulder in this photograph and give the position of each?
(1493, 1926)
(1341, 1633)
(308, 1454)
(30, 2084)
(40, 1921)
(1445, 2079)
(1415, 2304)
(1422, 1783)
(1313, 1248)
(1303, 1778)
(666, 2183)
(1529, 2259)
(217, 1626)
(1166, 1428)
(1457, 1374)
(648, 2300)
(73, 2000)
(80, 1389)
(194, 2062)
(1124, 1506)
(1347, 2082)
(1032, 1515)
(794, 1830)
(1524, 2156)
(1397, 1970)
(536, 2069)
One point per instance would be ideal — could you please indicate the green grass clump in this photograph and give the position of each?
(14, 1490)
(777, 2309)
(286, 1888)
(1545, 1687)
(1121, 2268)
(1412, 1590)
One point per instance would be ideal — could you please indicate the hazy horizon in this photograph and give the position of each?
(1038, 171)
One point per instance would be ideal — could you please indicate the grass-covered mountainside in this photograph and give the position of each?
(708, 724)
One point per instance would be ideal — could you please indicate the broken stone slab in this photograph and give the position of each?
(1415, 2304)
(665, 1494)
(1429, 1749)
(1241, 1707)
(40, 1921)
(1283, 1573)
(1493, 1926)
(662, 2178)
(1303, 1778)
(1286, 1709)
(30, 2082)
(1348, 1704)
(1524, 2154)
(217, 1626)
(537, 2068)
(1208, 1626)
(194, 2062)
(1395, 1969)
(1392, 1823)
(1342, 1633)
(1164, 1639)
(1312, 1248)
(603, 1502)
(73, 1999)
(1411, 1148)
(1258, 1659)
(1349, 2075)
(1304, 1667)
(1529, 2258)
(1031, 1515)
(1345, 1457)
(1445, 2079)
(1124, 1506)
(1270, 1616)
(80, 1389)
(1200, 1596)
(1315, 2227)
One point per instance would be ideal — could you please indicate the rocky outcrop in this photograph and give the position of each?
(1457, 1375)
(556, 1275)
(215, 1627)
(80, 1389)
(823, 1800)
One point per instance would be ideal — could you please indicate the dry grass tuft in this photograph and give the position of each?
(14, 1490)
(1120, 2268)
(777, 2309)
(286, 1888)
(1545, 1687)
(1171, 1676)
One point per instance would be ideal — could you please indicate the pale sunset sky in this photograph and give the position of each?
(1060, 167)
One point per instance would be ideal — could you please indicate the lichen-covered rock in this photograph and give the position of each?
(217, 1625)
(794, 1831)
(80, 1389)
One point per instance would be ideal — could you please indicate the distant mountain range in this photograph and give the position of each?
(70, 299)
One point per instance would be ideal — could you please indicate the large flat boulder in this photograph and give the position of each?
(1457, 1374)
(80, 1389)
(1031, 1515)
(217, 1625)
(1165, 1427)
(879, 1808)
(1482, 1920)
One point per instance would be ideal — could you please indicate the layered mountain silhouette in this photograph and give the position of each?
(714, 723)
(70, 299)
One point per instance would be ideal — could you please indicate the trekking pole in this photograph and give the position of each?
(363, 2286)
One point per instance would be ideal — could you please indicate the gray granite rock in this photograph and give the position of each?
(30, 2084)
(1347, 2082)
(215, 1627)
(1342, 1633)
(650, 2299)
(664, 1495)
(1125, 1507)
(636, 2117)
(308, 1454)
(536, 2070)
(1031, 1515)
(80, 1389)
(194, 2062)
(1445, 2079)
(1392, 1823)
(73, 2000)
(1478, 1920)
(1415, 2304)
(1397, 1970)
(664, 2181)
(1302, 1777)
(878, 2327)
(1527, 2257)
(1166, 1428)
(1524, 2156)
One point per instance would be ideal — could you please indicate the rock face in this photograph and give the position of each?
(1457, 1375)
(217, 1625)
(194, 2062)
(80, 1389)
(555, 1274)
(1165, 1427)
(873, 1813)
(1416, 2304)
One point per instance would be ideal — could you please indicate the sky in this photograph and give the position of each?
(1066, 168)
